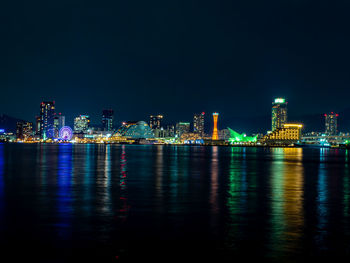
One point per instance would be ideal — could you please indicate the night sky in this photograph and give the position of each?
(174, 57)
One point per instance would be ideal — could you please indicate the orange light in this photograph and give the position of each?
(215, 130)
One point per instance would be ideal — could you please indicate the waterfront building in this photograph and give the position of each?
(198, 123)
(290, 133)
(24, 130)
(81, 124)
(331, 123)
(107, 119)
(164, 133)
(236, 138)
(224, 134)
(61, 121)
(215, 129)
(37, 125)
(156, 121)
(279, 113)
(135, 130)
(47, 116)
(55, 125)
(181, 128)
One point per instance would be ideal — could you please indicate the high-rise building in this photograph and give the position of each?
(215, 129)
(24, 130)
(331, 121)
(61, 121)
(156, 121)
(279, 113)
(47, 116)
(182, 127)
(198, 123)
(107, 120)
(55, 125)
(81, 123)
(37, 125)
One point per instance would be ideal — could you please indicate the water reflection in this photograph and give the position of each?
(2, 185)
(287, 218)
(234, 204)
(214, 188)
(124, 206)
(321, 201)
(64, 190)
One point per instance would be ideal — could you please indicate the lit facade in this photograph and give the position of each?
(331, 123)
(215, 129)
(81, 124)
(182, 127)
(156, 121)
(107, 119)
(47, 117)
(290, 133)
(235, 137)
(279, 113)
(37, 125)
(135, 130)
(198, 123)
(24, 130)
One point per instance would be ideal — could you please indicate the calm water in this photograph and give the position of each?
(111, 203)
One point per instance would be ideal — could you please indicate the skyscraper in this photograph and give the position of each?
(37, 125)
(198, 123)
(107, 119)
(215, 129)
(81, 123)
(47, 116)
(279, 113)
(155, 121)
(61, 121)
(331, 121)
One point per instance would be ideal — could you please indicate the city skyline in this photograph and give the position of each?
(170, 60)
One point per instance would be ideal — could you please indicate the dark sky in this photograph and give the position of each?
(174, 57)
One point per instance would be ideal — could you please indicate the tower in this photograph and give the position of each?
(215, 130)
(331, 121)
(279, 113)
(107, 119)
(198, 123)
(47, 116)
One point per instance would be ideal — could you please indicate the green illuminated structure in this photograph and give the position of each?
(235, 137)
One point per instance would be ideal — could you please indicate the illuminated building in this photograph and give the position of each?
(155, 121)
(182, 127)
(224, 134)
(81, 124)
(191, 138)
(55, 125)
(47, 116)
(164, 133)
(290, 133)
(279, 113)
(24, 130)
(198, 123)
(236, 138)
(331, 121)
(107, 120)
(61, 121)
(215, 129)
(37, 125)
(135, 130)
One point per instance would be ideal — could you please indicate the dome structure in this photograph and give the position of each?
(135, 130)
